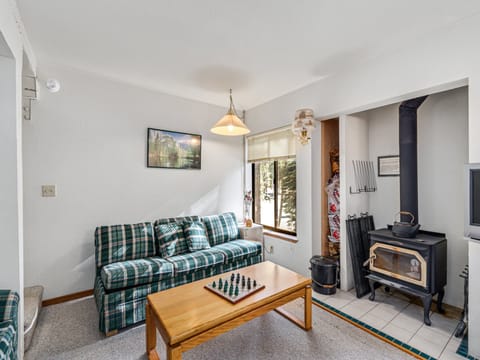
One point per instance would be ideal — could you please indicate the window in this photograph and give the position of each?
(273, 166)
(275, 194)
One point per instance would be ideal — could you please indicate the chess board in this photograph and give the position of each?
(234, 286)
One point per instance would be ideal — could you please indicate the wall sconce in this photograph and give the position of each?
(303, 125)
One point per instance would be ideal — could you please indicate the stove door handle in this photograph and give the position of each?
(369, 260)
(399, 243)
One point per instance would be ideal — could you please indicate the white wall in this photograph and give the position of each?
(353, 146)
(90, 140)
(443, 149)
(442, 153)
(14, 44)
(383, 134)
(9, 216)
(433, 62)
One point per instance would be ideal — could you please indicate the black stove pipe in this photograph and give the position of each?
(408, 156)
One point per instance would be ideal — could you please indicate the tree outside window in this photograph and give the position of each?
(275, 194)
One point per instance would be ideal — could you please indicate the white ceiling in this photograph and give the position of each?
(198, 49)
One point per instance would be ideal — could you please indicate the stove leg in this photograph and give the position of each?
(441, 294)
(372, 290)
(427, 304)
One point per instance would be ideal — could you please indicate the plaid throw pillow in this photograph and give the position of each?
(179, 219)
(196, 236)
(221, 228)
(170, 239)
(123, 242)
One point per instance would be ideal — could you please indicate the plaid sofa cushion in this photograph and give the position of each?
(196, 236)
(179, 219)
(170, 239)
(8, 335)
(9, 306)
(9, 324)
(124, 274)
(121, 308)
(123, 242)
(239, 249)
(221, 228)
(188, 263)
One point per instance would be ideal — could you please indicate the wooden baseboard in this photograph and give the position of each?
(68, 297)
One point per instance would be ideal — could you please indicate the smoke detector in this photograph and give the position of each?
(52, 85)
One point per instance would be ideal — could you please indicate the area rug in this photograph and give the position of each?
(375, 332)
(70, 331)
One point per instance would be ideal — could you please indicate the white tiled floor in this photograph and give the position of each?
(395, 315)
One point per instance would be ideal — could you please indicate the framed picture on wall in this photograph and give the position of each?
(389, 165)
(173, 150)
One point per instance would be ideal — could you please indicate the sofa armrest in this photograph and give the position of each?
(9, 323)
(9, 306)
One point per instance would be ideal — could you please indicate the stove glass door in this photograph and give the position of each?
(399, 263)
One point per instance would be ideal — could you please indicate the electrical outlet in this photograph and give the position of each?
(49, 190)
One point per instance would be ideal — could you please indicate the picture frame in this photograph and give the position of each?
(389, 165)
(173, 150)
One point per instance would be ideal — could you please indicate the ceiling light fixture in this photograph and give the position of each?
(303, 125)
(230, 124)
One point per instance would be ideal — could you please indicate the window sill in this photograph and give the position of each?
(281, 236)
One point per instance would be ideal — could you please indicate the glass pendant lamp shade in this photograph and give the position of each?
(230, 124)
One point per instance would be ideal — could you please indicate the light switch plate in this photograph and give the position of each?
(49, 190)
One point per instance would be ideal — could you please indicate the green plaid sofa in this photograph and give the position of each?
(130, 265)
(8, 324)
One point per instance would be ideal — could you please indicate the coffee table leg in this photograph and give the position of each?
(308, 308)
(151, 334)
(174, 353)
(306, 324)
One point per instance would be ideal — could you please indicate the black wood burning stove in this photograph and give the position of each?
(416, 266)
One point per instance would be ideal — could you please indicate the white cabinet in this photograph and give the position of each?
(253, 233)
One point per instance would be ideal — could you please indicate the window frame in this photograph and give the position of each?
(275, 196)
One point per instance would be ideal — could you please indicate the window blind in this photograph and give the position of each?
(273, 145)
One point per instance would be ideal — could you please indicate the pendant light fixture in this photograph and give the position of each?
(230, 124)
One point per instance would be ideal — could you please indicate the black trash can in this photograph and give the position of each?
(324, 274)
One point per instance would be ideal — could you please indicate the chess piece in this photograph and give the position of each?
(225, 287)
(243, 281)
(230, 290)
(232, 277)
(236, 290)
(220, 284)
(214, 284)
(254, 283)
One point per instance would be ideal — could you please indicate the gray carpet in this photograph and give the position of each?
(69, 331)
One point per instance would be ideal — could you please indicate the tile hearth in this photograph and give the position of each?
(394, 314)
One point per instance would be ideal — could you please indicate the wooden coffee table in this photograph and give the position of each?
(189, 315)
